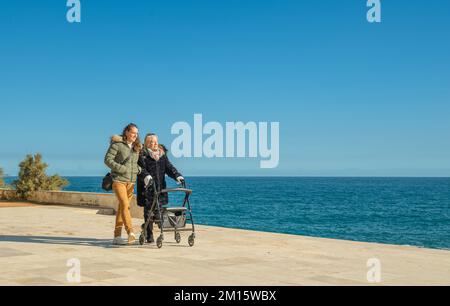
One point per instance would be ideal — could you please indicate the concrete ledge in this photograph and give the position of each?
(72, 198)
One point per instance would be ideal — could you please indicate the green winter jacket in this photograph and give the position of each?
(117, 153)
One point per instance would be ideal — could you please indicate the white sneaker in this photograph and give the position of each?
(131, 238)
(119, 241)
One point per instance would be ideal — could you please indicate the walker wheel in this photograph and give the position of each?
(141, 239)
(159, 242)
(191, 240)
(177, 237)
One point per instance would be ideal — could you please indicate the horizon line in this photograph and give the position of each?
(281, 176)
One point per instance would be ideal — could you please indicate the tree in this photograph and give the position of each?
(32, 177)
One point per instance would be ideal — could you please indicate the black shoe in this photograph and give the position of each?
(150, 239)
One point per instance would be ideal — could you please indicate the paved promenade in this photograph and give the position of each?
(37, 243)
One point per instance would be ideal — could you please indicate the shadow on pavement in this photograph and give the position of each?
(59, 240)
(77, 241)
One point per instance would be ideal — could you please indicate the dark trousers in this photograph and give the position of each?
(150, 224)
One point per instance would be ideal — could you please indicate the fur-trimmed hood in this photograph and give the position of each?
(116, 138)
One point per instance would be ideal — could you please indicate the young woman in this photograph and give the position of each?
(155, 165)
(122, 158)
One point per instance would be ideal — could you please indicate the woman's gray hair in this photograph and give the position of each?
(149, 135)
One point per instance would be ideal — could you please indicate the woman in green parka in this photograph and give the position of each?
(122, 158)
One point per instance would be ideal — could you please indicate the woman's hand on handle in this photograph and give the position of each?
(148, 180)
(180, 180)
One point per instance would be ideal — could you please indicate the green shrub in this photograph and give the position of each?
(32, 177)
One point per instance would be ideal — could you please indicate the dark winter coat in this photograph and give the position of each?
(158, 170)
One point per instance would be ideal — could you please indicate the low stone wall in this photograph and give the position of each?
(88, 199)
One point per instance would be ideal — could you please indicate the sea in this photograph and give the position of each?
(402, 211)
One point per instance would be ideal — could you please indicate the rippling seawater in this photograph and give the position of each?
(408, 211)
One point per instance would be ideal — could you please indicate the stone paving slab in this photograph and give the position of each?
(37, 242)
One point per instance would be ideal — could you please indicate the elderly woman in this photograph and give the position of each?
(155, 165)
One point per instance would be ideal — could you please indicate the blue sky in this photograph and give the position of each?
(352, 98)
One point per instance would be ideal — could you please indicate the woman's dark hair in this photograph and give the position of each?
(137, 143)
